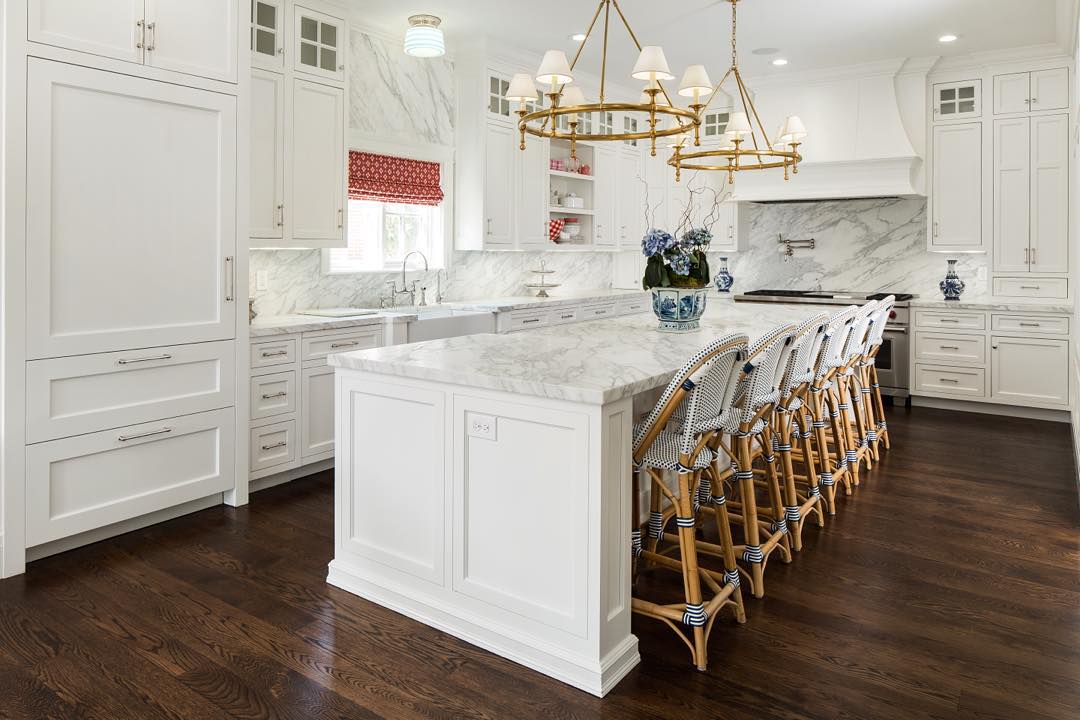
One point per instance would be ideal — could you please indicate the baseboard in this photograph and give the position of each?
(265, 483)
(991, 409)
(125, 526)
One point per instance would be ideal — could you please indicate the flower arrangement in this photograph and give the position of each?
(676, 262)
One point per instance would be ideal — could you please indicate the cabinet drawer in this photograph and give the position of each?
(273, 394)
(320, 346)
(86, 482)
(1030, 324)
(591, 312)
(968, 382)
(633, 307)
(1031, 287)
(942, 348)
(562, 316)
(86, 393)
(528, 320)
(273, 445)
(932, 320)
(269, 354)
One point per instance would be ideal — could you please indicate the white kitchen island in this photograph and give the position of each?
(483, 483)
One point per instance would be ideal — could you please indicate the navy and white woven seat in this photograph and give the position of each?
(664, 454)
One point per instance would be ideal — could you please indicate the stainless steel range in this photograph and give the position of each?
(892, 360)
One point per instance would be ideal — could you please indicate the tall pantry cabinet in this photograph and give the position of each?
(124, 248)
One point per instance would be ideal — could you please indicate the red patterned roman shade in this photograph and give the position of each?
(386, 178)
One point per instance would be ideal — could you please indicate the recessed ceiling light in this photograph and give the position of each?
(947, 38)
(779, 61)
(765, 51)
(577, 37)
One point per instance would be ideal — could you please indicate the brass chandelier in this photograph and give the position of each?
(567, 100)
(739, 152)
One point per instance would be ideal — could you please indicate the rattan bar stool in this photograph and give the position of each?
(879, 430)
(848, 385)
(699, 392)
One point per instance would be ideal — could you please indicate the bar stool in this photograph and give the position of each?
(700, 391)
(848, 386)
(879, 430)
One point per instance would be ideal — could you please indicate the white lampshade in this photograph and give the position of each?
(652, 65)
(739, 125)
(572, 95)
(554, 69)
(794, 130)
(780, 139)
(424, 38)
(521, 89)
(695, 80)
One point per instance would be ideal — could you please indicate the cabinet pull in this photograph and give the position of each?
(943, 347)
(141, 44)
(1030, 324)
(489, 226)
(1027, 256)
(1034, 256)
(948, 320)
(275, 446)
(137, 436)
(281, 216)
(271, 396)
(566, 317)
(150, 45)
(534, 320)
(1030, 287)
(340, 219)
(351, 343)
(936, 229)
(132, 361)
(275, 353)
(949, 380)
(230, 279)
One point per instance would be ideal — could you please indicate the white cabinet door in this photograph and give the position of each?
(131, 198)
(604, 230)
(196, 37)
(1026, 371)
(727, 232)
(317, 176)
(532, 219)
(1012, 93)
(957, 194)
(111, 28)
(499, 184)
(268, 34)
(317, 414)
(1050, 89)
(630, 203)
(1050, 193)
(319, 44)
(267, 199)
(1012, 206)
(955, 100)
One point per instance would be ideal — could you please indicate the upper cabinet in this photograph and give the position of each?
(320, 44)
(956, 201)
(194, 37)
(957, 100)
(1031, 91)
(268, 34)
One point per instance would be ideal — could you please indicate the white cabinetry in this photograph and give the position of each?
(606, 195)
(317, 414)
(499, 184)
(194, 37)
(532, 194)
(1029, 371)
(1035, 91)
(318, 44)
(956, 202)
(957, 100)
(131, 233)
(267, 190)
(268, 34)
(630, 201)
(317, 164)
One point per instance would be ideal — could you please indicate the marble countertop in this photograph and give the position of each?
(1020, 305)
(524, 302)
(596, 362)
(289, 324)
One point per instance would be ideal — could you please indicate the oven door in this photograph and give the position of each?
(892, 361)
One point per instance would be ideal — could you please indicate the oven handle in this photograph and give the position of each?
(895, 329)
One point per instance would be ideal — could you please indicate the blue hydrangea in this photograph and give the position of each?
(680, 264)
(697, 238)
(655, 242)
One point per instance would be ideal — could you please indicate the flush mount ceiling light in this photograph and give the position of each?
(424, 38)
(947, 38)
(747, 146)
(577, 37)
(779, 62)
(567, 101)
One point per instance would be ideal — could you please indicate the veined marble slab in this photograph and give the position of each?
(290, 324)
(524, 302)
(593, 362)
(1057, 307)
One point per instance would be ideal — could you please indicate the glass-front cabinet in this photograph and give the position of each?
(320, 44)
(957, 100)
(268, 34)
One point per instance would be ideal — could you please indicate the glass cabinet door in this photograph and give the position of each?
(320, 44)
(267, 46)
(497, 104)
(954, 101)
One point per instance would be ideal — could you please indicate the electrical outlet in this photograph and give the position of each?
(262, 280)
(980, 274)
(482, 426)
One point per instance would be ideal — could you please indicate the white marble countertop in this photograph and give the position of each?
(593, 362)
(1020, 305)
(289, 324)
(524, 302)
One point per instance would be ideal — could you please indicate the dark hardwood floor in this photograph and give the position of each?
(947, 587)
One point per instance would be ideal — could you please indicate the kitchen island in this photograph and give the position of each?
(483, 483)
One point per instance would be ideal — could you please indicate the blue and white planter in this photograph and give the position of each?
(679, 309)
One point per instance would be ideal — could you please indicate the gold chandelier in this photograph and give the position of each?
(567, 100)
(739, 152)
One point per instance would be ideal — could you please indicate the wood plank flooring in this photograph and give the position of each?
(947, 587)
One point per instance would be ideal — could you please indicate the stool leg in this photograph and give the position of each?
(824, 457)
(752, 553)
(687, 524)
(840, 430)
(869, 412)
(656, 516)
(882, 428)
(635, 524)
(723, 528)
(792, 510)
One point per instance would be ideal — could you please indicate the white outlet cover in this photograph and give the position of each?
(482, 426)
(262, 280)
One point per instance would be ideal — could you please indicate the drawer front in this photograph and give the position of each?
(1031, 287)
(633, 307)
(86, 482)
(526, 321)
(321, 346)
(961, 382)
(592, 312)
(273, 445)
(273, 394)
(942, 320)
(943, 348)
(562, 316)
(1030, 324)
(268, 354)
(87, 393)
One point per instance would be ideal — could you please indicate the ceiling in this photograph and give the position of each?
(810, 34)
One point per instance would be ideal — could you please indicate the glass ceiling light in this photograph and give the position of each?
(556, 76)
(424, 38)
(746, 145)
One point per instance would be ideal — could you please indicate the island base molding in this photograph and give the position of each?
(595, 679)
(985, 408)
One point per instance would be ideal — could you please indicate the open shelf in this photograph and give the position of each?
(570, 211)
(571, 175)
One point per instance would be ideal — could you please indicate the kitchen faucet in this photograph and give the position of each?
(391, 285)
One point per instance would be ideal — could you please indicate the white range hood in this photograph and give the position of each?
(867, 129)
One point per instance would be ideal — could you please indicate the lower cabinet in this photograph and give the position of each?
(317, 415)
(1028, 371)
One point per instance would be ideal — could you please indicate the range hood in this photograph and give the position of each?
(867, 137)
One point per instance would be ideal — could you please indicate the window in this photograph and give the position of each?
(395, 207)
